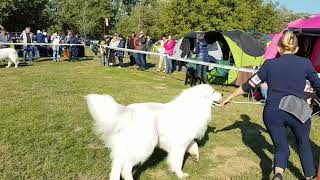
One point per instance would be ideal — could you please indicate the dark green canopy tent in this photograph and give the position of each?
(239, 50)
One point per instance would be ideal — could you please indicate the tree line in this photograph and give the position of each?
(156, 17)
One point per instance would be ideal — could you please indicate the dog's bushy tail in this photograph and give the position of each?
(106, 112)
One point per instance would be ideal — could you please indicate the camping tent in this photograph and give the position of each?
(239, 49)
(234, 48)
(185, 46)
(308, 33)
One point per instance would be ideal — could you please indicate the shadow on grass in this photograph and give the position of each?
(157, 156)
(253, 138)
(160, 155)
(21, 64)
(42, 59)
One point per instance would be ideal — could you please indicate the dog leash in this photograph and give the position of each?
(239, 102)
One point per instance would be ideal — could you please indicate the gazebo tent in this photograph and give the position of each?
(308, 33)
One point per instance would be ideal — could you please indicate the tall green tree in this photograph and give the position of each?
(144, 17)
(83, 16)
(182, 16)
(15, 15)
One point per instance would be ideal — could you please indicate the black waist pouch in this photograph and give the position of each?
(297, 107)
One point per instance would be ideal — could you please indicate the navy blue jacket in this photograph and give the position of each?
(39, 38)
(202, 51)
(287, 75)
(122, 44)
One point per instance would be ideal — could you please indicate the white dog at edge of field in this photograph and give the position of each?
(10, 54)
(132, 132)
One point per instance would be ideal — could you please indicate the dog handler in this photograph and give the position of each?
(286, 103)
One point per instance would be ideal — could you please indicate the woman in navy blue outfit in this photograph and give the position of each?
(286, 78)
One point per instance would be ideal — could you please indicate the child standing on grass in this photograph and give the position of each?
(55, 39)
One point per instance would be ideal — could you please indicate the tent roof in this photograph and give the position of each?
(310, 23)
(246, 42)
(309, 26)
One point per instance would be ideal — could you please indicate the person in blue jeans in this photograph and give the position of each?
(202, 56)
(169, 51)
(104, 53)
(169, 64)
(27, 52)
(27, 37)
(72, 39)
(55, 39)
(286, 78)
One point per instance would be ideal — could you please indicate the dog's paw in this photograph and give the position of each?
(183, 175)
(195, 158)
(7, 66)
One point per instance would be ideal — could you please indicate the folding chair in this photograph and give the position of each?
(313, 100)
(220, 75)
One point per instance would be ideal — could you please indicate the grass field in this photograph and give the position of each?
(46, 130)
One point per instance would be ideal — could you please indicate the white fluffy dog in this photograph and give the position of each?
(10, 54)
(134, 131)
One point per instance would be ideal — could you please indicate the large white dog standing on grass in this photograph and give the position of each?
(132, 132)
(10, 54)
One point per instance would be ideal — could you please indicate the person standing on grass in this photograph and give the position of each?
(169, 50)
(120, 54)
(286, 107)
(104, 53)
(27, 37)
(38, 48)
(142, 42)
(130, 45)
(4, 38)
(55, 39)
(161, 50)
(72, 39)
(136, 47)
(113, 43)
(202, 56)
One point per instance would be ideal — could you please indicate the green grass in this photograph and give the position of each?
(46, 130)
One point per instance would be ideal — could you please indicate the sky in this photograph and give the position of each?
(310, 6)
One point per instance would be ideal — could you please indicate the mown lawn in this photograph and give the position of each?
(46, 130)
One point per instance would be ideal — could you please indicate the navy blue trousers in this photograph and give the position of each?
(277, 123)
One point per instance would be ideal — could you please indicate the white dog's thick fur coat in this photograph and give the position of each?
(134, 131)
(10, 54)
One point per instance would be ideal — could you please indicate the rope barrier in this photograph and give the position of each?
(210, 65)
(41, 44)
(240, 102)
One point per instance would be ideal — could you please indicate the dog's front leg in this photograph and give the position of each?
(127, 171)
(9, 64)
(116, 170)
(16, 64)
(175, 161)
(193, 150)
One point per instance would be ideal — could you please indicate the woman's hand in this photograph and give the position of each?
(226, 101)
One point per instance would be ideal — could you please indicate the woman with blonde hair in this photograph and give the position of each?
(286, 103)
